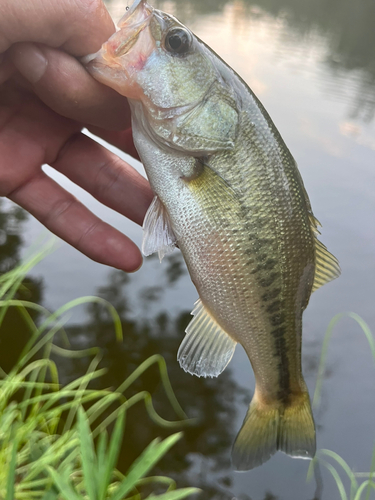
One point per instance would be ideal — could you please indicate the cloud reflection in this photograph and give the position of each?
(341, 30)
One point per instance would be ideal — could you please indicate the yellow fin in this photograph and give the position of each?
(296, 435)
(327, 267)
(206, 349)
(268, 428)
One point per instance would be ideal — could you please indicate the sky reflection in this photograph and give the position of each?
(313, 66)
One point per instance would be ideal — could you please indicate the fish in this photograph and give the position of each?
(229, 195)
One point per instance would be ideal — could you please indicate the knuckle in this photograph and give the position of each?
(7, 184)
(107, 177)
(60, 209)
(81, 243)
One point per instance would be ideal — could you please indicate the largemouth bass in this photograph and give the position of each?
(228, 193)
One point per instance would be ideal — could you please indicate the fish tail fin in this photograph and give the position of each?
(257, 440)
(296, 435)
(268, 428)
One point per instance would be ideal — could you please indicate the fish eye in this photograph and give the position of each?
(178, 41)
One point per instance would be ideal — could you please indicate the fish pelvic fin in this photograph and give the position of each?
(268, 428)
(206, 349)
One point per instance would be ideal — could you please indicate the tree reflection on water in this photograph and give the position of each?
(202, 457)
(346, 26)
(14, 331)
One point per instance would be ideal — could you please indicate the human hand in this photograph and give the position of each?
(46, 98)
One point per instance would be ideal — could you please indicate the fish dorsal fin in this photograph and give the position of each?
(206, 349)
(158, 235)
(327, 267)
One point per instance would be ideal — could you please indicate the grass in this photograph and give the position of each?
(47, 438)
(359, 490)
(51, 448)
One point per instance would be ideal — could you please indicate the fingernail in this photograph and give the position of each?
(29, 61)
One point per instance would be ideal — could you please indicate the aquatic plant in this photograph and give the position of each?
(357, 488)
(47, 439)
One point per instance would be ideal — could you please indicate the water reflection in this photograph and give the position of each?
(202, 458)
(345, 28)
(14, 331)
(11, 220)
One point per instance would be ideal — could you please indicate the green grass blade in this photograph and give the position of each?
(156, 358)
(162, 480)
(113, 453)
(42, 342)
(82, 386)
(337, 479)
(12, 473)
(140, 396)
(89, 462)
(86, 300)
(371, 476)
(51, 494)
(327, 337)
(175, 495)
(346, 468)
(63, 484)
(366, 484)
(151, 455)
(102, 463)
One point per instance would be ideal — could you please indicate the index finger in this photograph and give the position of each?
(77, 26)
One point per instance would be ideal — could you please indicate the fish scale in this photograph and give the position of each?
(228, 193)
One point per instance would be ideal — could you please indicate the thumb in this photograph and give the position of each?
(62, 83)
(77, 26)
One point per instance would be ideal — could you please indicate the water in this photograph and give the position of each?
(312, 64)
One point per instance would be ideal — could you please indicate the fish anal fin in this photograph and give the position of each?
(206, 349)
(158, 235)
(268, 428)
(327, 267)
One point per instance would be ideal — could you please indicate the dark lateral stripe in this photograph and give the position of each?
(280, 352)
(274, 306)
(271, 294)
(266, 282)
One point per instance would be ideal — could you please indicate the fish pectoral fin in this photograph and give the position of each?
(327, 267)
(268, 428)
(206, 349)
(158, 235)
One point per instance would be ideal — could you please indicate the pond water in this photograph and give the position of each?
(312, 64)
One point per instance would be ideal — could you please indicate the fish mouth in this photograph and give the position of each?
(137, 7)
(115, 62)
(136, 19)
